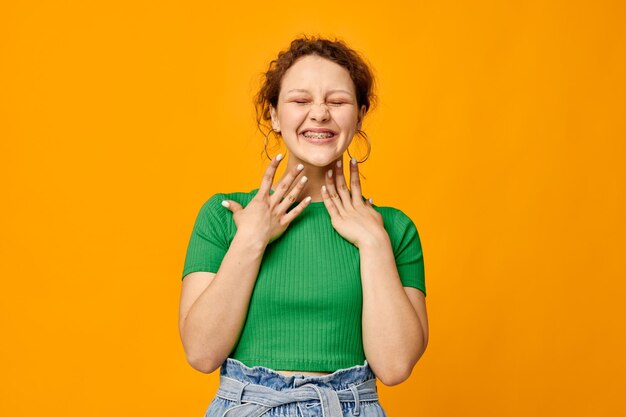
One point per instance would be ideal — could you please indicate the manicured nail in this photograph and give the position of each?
(279, 156)
(225, 203)
(306, 200)
(339, 164)
(300, 167)
(353, 160)
(323, 188)
(371, 201)
(303, 179)
(330, 173)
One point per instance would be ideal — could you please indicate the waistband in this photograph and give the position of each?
(258, 389)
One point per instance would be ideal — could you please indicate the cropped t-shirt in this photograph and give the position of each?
(305, 309)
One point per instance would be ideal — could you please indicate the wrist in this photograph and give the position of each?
(375, 242)
(249, 241)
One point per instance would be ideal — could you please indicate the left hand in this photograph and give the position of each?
(354, 219)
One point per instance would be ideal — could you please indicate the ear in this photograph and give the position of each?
(360, 117)
(275, 122)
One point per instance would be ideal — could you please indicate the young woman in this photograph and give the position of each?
(304, 292)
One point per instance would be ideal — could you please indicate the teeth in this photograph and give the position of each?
(317, 135)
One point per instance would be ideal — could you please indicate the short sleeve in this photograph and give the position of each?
(408, 252)
(208, 243)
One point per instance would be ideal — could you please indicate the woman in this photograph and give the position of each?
(303, 302)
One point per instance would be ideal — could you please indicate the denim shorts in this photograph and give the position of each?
(261, 391)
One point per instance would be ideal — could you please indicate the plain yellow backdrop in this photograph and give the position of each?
(500, 131)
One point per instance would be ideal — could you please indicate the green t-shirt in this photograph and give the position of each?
(305, 310)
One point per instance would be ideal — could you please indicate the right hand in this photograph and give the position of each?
(265, 216)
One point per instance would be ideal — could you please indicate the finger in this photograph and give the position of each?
(292, 196)
(268, 176)
(329, 203)
(283, 186)
(355, 183)
(288, 217)
(231, 205)
(332, 192)
(342, 187)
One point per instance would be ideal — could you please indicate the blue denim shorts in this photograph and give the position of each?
(261, 391)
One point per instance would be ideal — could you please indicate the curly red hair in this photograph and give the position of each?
(333, 50)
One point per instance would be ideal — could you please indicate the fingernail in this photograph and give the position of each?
(339, 164)
(306, 200)
(225, 203)
(353, 160)
(323, 188)
(279, 156)
(300, 167)
(330, 173)
(371, 201)
(303, 179)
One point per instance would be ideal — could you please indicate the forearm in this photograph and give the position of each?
(393, 338)
(214, 322)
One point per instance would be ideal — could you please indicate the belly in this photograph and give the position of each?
(305, 373)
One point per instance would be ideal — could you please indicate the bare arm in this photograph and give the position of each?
(395, 326)
(210, 326)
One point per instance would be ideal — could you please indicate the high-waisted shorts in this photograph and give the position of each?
(261, 391)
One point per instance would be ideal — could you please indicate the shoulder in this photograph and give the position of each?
(213, 211)
(214, 202)
(399, 226)
(394, 218)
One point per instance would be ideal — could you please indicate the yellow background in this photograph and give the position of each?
(500, 130)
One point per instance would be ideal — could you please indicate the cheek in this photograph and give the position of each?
(346, 118)
(293, 118)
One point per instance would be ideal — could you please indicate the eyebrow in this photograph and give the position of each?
(301, 90)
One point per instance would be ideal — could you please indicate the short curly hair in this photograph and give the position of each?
(333, 50)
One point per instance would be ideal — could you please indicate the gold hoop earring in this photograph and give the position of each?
(369, 146)
(266, 140)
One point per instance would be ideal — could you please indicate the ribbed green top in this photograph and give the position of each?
(305, 310)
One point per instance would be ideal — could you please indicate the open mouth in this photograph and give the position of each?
(318, 137)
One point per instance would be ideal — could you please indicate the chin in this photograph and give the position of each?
(320, 161)
(317, 157)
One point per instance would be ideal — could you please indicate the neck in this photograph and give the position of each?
(316, 177)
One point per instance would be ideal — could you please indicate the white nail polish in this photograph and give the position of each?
(306, 200)
(323, 188)
(303, 179)
(330, 173)
(225, 203)
(279, 156)
(339, 164)
(300, 167)
(353, 160)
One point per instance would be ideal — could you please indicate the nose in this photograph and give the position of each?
(319, 112)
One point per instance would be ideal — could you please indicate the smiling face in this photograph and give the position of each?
(317, 111)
